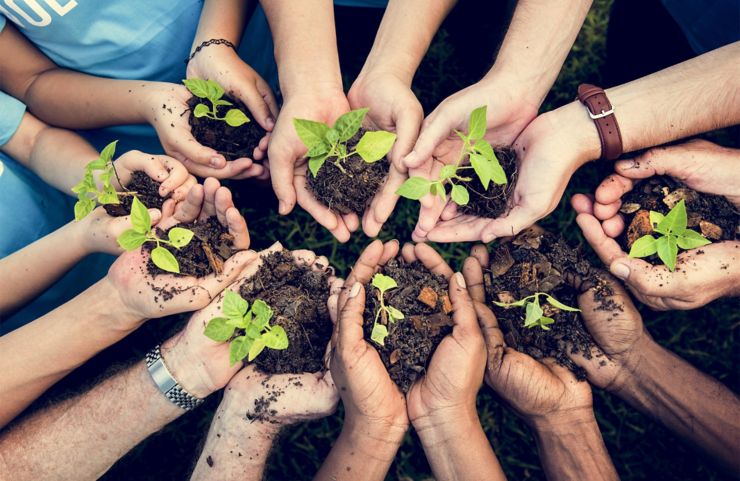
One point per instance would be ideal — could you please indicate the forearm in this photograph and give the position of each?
(688, 402)
(221, 19)
(571, 447)
(82, 437)
(404, 35)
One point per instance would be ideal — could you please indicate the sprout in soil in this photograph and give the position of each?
(324, 143)
(535, 315)
(674, 234)
(385, 312)
(482, 160)
(212, 91)
(252, 326)
(87, 190)
(141, 232)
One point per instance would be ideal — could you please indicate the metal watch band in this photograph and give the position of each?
(167, 384)
(602, 113)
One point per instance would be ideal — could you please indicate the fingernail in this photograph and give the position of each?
(282, 208)
(355, 290)
(460, 280)
(620, 270)
(270, 122)
(410, 158)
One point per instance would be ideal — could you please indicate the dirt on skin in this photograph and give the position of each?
(141, 186)
(231, 142)
(711, 215)
(206, 253)
(297, 296)
(423, 299)
(492, 203)
(538, 261)
(352, 190)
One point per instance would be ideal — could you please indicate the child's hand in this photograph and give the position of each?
(172, 176)
(98, 231)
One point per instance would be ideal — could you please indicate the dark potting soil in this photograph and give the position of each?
(298, 298)
(423, 299)
(206, 253)
(712, 215)
(537, 261)
(493, 202)
(352, 190)
(231, 142)
(143, 187)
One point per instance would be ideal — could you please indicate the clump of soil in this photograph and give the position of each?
(493, 202)
(231, 142)
(423, 299)
(352, 190)
(712, 215)
(206, 253)
(537, 261)
(141, 186)
(298, 298)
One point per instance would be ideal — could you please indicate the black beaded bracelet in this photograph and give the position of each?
(213, 41)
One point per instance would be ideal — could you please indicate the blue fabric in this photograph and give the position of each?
(11, 115)
(708, 24)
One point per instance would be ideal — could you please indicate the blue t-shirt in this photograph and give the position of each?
(708, 24)
(11, 115)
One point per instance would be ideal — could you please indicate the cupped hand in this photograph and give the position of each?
(171, 175)
(99, 232)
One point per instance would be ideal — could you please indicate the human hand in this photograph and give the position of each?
(394, 108)
(172, 176)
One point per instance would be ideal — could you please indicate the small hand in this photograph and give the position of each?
(172, 175)
(99, 232)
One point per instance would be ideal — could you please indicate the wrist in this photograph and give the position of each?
(446, 426)
(376, 439)
(635, 366)
(118, 316)
(187, 367)
(563, 421)
(574, 128)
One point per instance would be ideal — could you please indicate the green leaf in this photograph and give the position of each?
(414, 188)
(215, 91)
(478, 125)
(164, 259)
(533, 314)
(83, 207)
(106, 155)
(310, 132)
(201, 110)
(643, 247)
(395, 314)
(85, 185)
(262, 312)
(109, 196)
(484, 148)
(447, 172)
(219, 330)
(236, 118)
(380, 332)
(482, 168)
(130, 240)
(518, 303)
(545, 321)
(276, 338)
(556, 303)
(318, 150)
(140, 219)
(197, 87)
(383, 282)
(97, 164)
(258, 345)
(691, 239)
(105, 177)
(667, 251)
(239, 349)
(675, 221)
(253, 331)
(315, 163)
(460, 195)
(180, 237)
(332, 136)
(221, 102)
(497, 172)
(348, 124)
(234, 306)
(374, 145)
(656, 218)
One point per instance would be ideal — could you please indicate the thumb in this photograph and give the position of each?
(647, 279)
(282, 167)
(435, 130)
(351, 317)
(407, 129)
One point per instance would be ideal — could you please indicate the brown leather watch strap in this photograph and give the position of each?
(602, 113)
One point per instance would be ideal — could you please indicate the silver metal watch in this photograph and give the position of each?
(167, 384)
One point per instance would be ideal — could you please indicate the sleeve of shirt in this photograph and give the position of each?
(11, 115)
(3, 21)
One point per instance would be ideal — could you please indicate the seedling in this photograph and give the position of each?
(88, 194)
(254, 322)
(324, 143)
(534, 314)
(385, 312)
(675, 234)
(482, 160)
(142, 232)
(212, 91)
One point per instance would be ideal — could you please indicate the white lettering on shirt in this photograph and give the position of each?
(37, 16)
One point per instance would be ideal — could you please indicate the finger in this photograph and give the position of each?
(156, 170)
(321, 213)
(408, 125)
(351, 221)
(189, 209)
(434, 131)
(320, 264)
(364, 269)
(256, 104)
(186, 147)
(613, 188)
(182, 191)
(168, 208)
(407, 253)
(210, 286)
(264, 89)
(449, 212)
(605, 247)
(176, 176)
(463, 312)
(644, 277)
(120, 224)
(282, 170)
(432, 260)
(492, 335)
(518, 219)
(430, 212)
(473, 273)
(582, 204)
(210, 187)
(480, 252)
(351, 317)
(237, 228)
(383, 203)
(613, 227)
(304, 257)
(333, 302)
(254, 170)
(606, 211)
(223, 202)
(463, 228)
(234, 169)
(390, 250)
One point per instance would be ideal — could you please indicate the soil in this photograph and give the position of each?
(493, 202)
(350, 191)
(231, 142)
(712, 215)
(145, 188)
(538, 261)
(298, 297)
(206, 253)
(423, 299)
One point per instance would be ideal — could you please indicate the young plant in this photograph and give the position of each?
(212, 91)
(254, 322)
(88, 195)
(141, 232)
(534, 314)
(325, 143)
(385, 312)
(482, 159)
(674, 234)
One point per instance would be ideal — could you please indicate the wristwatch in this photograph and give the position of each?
(167, 384)
(601, 112)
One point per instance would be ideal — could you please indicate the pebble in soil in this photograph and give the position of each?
(144, 187)
(492, 203)
(349, 191)
(423, 299)
(231, 142)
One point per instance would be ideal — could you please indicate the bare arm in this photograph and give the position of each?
(221, 19)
